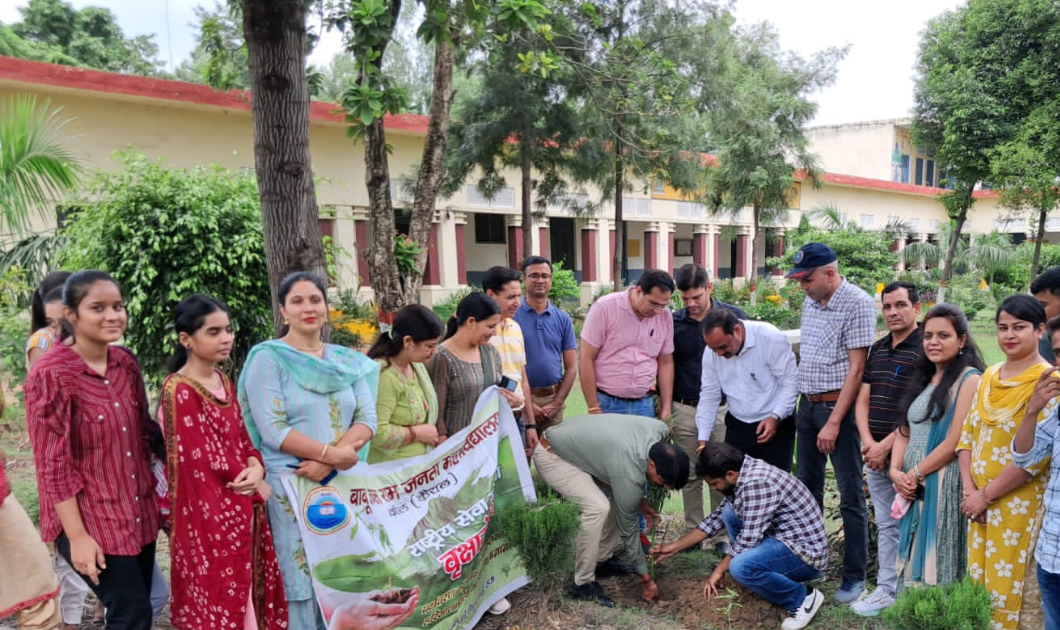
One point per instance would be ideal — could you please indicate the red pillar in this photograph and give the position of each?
(613, 241)
(741, 256)
(651, 250)
(515, 246)
(717, 246)
(589, 254)
(778, 251)
(670, 253)
(894, 246)
(543, 247)
(699, 250)
(432, 273)
(461, 260)
(360, 234)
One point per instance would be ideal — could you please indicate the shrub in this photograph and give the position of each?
(166, 233)
(564, 287)
(865, 258)
(544, 535)
(964, 605)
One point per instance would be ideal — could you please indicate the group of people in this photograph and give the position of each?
(958, 454)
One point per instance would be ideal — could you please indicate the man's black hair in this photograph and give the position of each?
(1049, 281)
(671, 463)
(909, 287)
(691, 276)
(718, 458)
(721, 318)
(656, 278)
(497, 277)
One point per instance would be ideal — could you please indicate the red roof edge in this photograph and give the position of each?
(35, 72)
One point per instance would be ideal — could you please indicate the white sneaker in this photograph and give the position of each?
(503, 605)
(803, 615)
(873, 604)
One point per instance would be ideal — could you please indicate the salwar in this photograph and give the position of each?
(28, 588)
(598, 535)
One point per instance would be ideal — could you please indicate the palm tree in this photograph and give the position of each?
(985, 254)
(36, 166)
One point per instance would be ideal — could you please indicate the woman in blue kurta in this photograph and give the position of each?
(309, 408)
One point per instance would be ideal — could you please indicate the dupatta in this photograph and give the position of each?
(212, 525)
(338, 371)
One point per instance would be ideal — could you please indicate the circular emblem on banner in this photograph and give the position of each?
(324, 512)
(799, 255)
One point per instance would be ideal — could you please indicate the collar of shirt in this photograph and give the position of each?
(750, 340)
(912, 341)
(73, 361)
(839, 297)
(530, 309)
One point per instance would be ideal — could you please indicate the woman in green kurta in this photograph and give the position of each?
(406, 406)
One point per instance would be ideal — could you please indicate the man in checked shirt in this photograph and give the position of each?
(776, 528)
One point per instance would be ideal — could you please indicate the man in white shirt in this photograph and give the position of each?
(752, 365)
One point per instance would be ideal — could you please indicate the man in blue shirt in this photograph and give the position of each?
(1033, 443)
(551, 347)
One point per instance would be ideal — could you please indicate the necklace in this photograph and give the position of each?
(306, 350)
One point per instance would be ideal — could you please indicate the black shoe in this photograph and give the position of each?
(590, 592)
(612, 567)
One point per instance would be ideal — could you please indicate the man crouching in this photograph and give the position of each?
(586, 455)
(777, 532)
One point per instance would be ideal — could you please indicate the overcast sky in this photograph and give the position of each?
(875, 80)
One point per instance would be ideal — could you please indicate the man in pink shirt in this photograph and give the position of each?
(627, 345)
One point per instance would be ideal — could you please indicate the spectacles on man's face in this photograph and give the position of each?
(656, 306)
(539, 276)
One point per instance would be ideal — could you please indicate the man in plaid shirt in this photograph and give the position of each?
(777, 531)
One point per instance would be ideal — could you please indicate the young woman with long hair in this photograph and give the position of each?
(932, 541)
(93, 438)
(1003, 502)
(406, 406)
(216, 486)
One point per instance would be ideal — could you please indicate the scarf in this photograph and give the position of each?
(429, 395)
(340, 368)
(1005, 399)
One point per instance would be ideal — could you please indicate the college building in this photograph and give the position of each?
(872, 174)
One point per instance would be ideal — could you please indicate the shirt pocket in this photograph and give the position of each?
(92, 431)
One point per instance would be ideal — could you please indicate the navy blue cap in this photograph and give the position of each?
(809, 257)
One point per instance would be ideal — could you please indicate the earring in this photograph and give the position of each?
(961, 352)
(286, 321)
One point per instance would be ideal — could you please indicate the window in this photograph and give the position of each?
(905, 169)
(658, 187)
(919, 181)
(867, 220)
(570, 201)
(689, 210)
(935, 224)
(505, 198)
(490, 228)
(914, 223)
(929, 179)
(636, 207)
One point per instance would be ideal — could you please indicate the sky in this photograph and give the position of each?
(874, 80)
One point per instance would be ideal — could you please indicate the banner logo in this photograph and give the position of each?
(324, 512)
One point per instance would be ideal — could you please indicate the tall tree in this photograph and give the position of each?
(758, 128)
(956, 113)
(37, 168)
(275, 32)
(517, 120)
(55, 32)
(219, 58)
(452, 29)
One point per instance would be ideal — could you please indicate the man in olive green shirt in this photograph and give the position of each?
(588, 454)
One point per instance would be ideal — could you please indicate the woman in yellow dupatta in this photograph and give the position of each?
(1003, 502)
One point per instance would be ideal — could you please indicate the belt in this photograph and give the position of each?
(831, 396)
(543, 441)
(518, 414)
(692, 402)
(629, 400)
(551, 390)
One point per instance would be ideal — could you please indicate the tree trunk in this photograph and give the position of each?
(951, 251)
(756, 233)
(275, 33)
(1043, 213)
(526, 169)
(620, 227)
(386, 282)
(430, 176)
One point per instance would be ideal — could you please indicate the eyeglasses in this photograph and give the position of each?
(539, 276)
(658, 307)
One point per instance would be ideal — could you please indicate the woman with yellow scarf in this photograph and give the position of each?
(1004, 502)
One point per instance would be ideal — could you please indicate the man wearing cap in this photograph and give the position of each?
(838, 326)
(619, 452)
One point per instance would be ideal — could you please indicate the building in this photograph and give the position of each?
(188, 124)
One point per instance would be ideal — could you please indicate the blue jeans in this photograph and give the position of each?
(848, 466)
(643, 407)
(772, 570)
(1049, 585)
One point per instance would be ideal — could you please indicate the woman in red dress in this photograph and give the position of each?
(224, 572)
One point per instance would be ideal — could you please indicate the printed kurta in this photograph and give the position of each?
(1000, 551)
(222, 551)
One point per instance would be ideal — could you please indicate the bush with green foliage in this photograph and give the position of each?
(543, 532)
(964, 605)
(166, 233)
(564, 287)
(865, 258)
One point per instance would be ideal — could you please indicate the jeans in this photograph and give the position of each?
(643, 407)
(1049, 585)
(848, 465)
(771, 569)
(124, 587)
(881, 489)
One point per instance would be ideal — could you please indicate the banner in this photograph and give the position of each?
(410, 542)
